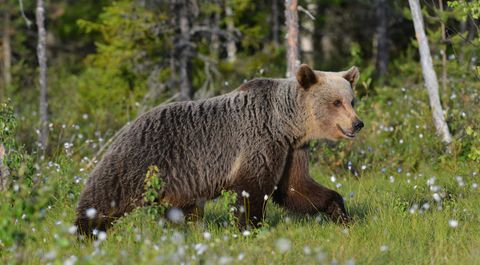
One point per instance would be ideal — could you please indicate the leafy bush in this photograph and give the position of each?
(153, 191)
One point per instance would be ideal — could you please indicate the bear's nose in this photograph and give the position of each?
(357, 125)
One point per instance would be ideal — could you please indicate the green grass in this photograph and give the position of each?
(384, 230)
(401, 165)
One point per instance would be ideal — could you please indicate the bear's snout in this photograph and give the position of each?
(357, 125)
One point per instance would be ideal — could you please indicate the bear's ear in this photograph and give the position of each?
(306, 77)
(351, 75)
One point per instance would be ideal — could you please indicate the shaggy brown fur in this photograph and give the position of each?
(250, 140)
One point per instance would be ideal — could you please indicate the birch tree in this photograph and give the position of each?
(183, 50)
(429, 75)
(307, 40)
(4, 172)
(185, 64)
(275, 23)
(443, 50)
(42, 61)
(6, 50)
(231, 46)
(291, 15)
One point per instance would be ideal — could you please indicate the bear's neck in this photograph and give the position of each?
(288, 105)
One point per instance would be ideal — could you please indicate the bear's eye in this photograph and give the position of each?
(337, 103)
(353, 103)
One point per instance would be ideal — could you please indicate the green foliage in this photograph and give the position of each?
(8, 124)
(364, 86)
(227, 202)
(153, 191)
(473, 152)
(467, 8)
(20, 164)
(251, 22)
(117, 73)
(26, 198)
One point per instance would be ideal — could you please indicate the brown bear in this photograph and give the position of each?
(250, 141)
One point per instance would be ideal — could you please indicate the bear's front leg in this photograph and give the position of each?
(251, 203)
(298, 192)
(255, 181)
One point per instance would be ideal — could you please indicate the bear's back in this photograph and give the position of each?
(201, 124)
(194, 143)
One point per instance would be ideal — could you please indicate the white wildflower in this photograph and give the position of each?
(91, 213)
(431, 181)
(102, 236)
(241, 256)
(50, 255)
(453, 223)
(207, 235)
(307, 250)
(414, 208)
(176, 215)
(350, 262)
(283, 245)
(72, 229)
(200, 248)
(434, 188)
(71, 260)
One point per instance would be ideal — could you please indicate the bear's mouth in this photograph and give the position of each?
(347, 134)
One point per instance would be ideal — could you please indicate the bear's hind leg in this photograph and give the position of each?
(194, 213)
(86, 226)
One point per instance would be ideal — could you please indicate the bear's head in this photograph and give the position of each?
(329, 103)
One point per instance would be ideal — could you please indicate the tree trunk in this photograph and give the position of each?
(381, 34)
(4, 172)
(429, 75)
(185, 50)
(291, 15)
(275, 24)
(306, 39)
(472, 29)
(7, 53)
(463, 29)
(42, 61)
(231, 46)
(443, 51)
(214, 37)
